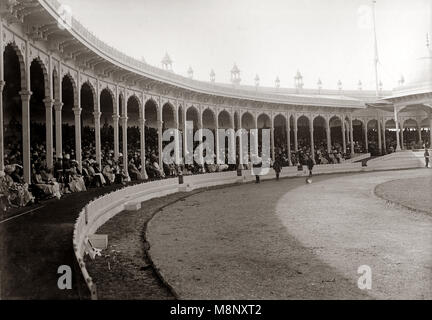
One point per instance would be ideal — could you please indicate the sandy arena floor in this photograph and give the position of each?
(288, 239)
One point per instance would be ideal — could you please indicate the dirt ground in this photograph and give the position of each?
(288, 239)
(124, 271)
(414, 193)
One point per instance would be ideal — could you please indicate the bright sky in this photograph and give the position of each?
(327, 39)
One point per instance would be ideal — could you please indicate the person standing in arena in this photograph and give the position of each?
(277, 167)
(427, 156)
(310, 165)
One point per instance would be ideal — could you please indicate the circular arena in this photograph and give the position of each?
(86, 188)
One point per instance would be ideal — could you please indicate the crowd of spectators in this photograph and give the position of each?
(67, 176)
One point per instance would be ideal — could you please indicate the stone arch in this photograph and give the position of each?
(390, 134)
(69, 96)
(151, 113)
(90, 86)
(88, 129)
(224, 119)
(280, 134)
(358, 134)
(107, 108)
(112, 95)
(410, 121)
(319, 124)
(193, 114)
(134, 110)
(37, 116)
(209, 119)
(22, 64)
(247, 121)
(15, 82)
(133, 107)
(168, 115)
(303, 131)
(45, 75)
(74, 87)
(411, 134)
(335, 123)
(264, 120)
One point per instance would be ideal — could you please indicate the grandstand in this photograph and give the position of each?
(77, 115)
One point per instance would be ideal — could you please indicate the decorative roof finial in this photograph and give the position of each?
(167, 62)
(190, 72)
(257, 80)
(277, 82)
(212, 76)
(427, 40)
(235, 75)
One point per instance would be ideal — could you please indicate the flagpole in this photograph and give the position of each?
(376, 49)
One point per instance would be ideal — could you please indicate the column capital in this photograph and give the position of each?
(48, 102)
(2, 84)
(58, 106)
(142, 121)
(159, 123)
(115, 116)
(97, 114)
(77, 111)
(25, 94)
(123, 118)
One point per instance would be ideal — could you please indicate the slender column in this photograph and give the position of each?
(288, 128)
(185, 128)
(329, 143)
(379, 136)
(2, 84)
(311, 130)
(123, 120)
(343, 135)
(396, 119)
(419, 132)
(233, 140)
(200, 137)
(295, 135)
(25, 99)
(77, 119)
(347, 130)
(351, 132)
(272, 141)
(430, 130)
(49, 131)
(177, 153)
(402, 135)
(160, 133)
(58, 127)
(97, 116)
(384, 138)
(366, 137)
(116, 118)
(217, 137)
(142, 148)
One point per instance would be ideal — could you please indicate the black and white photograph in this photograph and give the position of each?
(227, 152)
